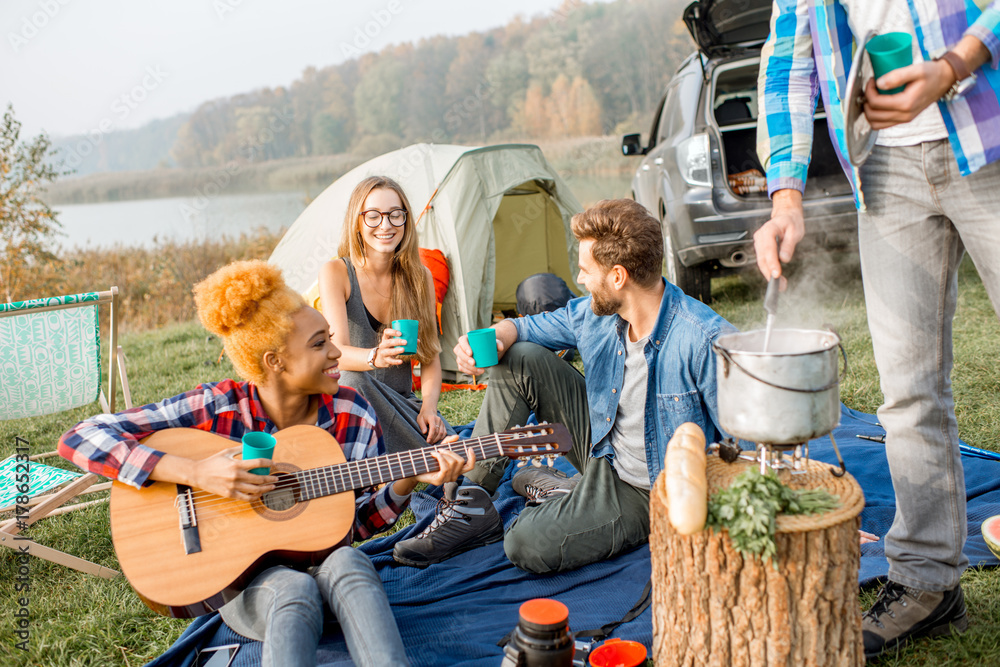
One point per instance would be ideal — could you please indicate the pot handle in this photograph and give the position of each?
(729, 360)
(840, 344)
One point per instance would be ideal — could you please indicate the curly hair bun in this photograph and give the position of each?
(229, 298)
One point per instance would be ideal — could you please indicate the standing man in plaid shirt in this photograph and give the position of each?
(929, 191)
(283, 347)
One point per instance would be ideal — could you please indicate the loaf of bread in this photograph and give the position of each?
(687, 486)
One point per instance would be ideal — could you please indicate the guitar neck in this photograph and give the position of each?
(328, 480)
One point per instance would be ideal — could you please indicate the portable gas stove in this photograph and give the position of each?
(791, 457)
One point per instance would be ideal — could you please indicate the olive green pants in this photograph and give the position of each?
(603, 516)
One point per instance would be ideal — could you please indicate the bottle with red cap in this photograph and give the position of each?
(542, 637)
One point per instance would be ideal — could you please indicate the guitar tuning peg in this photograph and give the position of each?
(535, 462)
(521, 463)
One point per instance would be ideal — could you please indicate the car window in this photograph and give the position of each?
(656, 124)
(668, 117)
(681, 99)
(688, 94)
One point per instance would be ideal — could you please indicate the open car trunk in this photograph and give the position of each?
(734, 108)
(719, 25)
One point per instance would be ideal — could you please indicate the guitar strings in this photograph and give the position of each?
(362, 466)
(210, 503)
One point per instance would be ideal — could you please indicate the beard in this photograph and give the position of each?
(603, 302)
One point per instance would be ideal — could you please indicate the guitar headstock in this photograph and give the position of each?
(540, 441)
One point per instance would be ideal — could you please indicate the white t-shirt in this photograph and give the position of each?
(628, 433)
(884, 16)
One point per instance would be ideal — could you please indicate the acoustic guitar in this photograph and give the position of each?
(187, 552)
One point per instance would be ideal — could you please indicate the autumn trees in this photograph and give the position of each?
(580, 71)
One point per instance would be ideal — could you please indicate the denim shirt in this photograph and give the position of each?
(681, 382)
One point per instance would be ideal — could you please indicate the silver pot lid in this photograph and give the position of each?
(858, 134)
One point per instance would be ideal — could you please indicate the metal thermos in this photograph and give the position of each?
(542, 637)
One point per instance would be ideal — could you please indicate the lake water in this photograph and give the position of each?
(143, 222)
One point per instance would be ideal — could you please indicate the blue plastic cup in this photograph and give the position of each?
(484, 347)
(888, 52)
(408, 330)
(258, 445)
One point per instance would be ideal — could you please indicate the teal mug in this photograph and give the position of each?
(258, 445)
(888, 52)
(484, 347)
(408, 330)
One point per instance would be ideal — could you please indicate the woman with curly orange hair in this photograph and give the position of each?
(284, 350)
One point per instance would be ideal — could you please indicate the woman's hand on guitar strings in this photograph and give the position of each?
(452, 464)
(226, 475)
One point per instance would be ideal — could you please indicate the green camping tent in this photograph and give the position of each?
(498, 213)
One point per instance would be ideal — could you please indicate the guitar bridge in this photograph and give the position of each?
(190, 536)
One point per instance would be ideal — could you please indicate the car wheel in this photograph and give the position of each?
(694, 281)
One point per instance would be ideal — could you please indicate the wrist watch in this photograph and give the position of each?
(964, 79)
(371, 358)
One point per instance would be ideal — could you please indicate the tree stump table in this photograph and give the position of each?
(713, 606)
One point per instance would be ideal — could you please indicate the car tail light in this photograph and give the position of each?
(693, 160)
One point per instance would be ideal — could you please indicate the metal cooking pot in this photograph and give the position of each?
(786, 396)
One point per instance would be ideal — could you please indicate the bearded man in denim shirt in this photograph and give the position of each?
(647, 352)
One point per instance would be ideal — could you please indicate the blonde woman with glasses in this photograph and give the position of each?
(378, 278)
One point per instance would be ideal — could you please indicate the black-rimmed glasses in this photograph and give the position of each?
(373, 217)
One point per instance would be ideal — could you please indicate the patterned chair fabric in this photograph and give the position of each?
(50, 360)
(41, 478)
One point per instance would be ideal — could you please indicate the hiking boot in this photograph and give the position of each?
(465, 519)
(542, 483)
(901, 613)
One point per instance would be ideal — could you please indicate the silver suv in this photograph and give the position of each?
(700, 173)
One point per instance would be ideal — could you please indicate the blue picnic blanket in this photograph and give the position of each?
(455, 612)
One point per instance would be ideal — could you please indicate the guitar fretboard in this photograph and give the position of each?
(328, 480)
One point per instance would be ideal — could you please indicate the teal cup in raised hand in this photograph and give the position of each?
(484, 347)
(258, 445)
(408, 330)
(888, 52)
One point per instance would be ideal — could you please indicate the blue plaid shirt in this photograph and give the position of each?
(810, 50)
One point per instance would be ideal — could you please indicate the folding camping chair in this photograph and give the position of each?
(50, 362)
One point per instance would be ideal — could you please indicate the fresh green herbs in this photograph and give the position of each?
(749, 508)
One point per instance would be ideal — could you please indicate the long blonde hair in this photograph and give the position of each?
(411, 297)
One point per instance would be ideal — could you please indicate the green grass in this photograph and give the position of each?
(83, 620)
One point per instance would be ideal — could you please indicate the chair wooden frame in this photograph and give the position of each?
(59, 502)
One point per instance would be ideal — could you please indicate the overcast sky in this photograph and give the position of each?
(71, 66)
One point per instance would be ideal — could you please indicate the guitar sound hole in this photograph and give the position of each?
(282, 498)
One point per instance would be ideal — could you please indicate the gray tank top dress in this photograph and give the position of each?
(389, 390)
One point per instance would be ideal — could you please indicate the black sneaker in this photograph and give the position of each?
(465, 519)
(541, 483)
(901, 613)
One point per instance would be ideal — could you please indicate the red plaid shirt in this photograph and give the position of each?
(108, 445)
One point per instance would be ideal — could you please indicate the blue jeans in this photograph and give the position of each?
(284, 608)
(921, 217)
